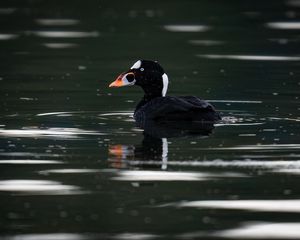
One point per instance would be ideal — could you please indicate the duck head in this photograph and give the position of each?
(149, 75)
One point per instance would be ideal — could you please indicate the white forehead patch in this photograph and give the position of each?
(165, 84)
(137, 65)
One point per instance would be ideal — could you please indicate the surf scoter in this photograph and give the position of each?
(155, 105)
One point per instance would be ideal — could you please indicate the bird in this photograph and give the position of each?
(155, 104)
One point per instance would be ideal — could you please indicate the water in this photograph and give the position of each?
(74, 165)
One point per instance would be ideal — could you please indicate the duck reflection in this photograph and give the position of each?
(152, 152)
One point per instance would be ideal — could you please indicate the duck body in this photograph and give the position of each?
(170, 108)
(155, 105)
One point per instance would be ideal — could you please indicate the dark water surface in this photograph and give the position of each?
(73, 163)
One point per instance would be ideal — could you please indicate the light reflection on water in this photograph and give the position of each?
(57, 22)
(280, 165)
(30, 154)
(169, 176)
(74, 164)
(8, 36)
(263, 147)
(284, 25)
(69, 171)
(55, 113)
(41, 187)
(143, 175)
(136, 168)
(278, 205)
(60, 45)
(293, 3)
(29, 161)
(250, 57)
(117, 114)
(206, 42)
(186, 28)
(65, 34)
(7, 10)
(51, 132)
(85, 236)
(263, 230)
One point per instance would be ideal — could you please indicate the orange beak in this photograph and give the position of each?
(123, 80)
(118, 82)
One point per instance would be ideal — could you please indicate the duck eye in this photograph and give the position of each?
(130, 77)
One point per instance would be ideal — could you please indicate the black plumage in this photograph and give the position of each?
(150, 76)
(187, 108)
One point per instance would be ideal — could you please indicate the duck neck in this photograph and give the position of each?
(147, 98)
(151, 92)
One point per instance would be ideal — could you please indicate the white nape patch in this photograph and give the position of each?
(164, 153)
(165, 84)
(137, 65)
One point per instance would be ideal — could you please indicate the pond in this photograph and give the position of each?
(74, 164)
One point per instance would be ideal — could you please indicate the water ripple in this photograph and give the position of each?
(81, 236)
(261, 147)
(57, 22)
(53, 113)
(284, 25)
(117, 114)
(29, 161)
(60, 45)
(7, 36)
(290, 205)
(50, 132)
(250, 57)
(286, 119)
(47, 236)
(235, 101)
(232, 123)
(206, 42)
(38, 187)
(7, 10)
(226, 164)
(264, 230)
(186, 28)
(65, 34)
(69, 171)
(139, 175)
(293, 3)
